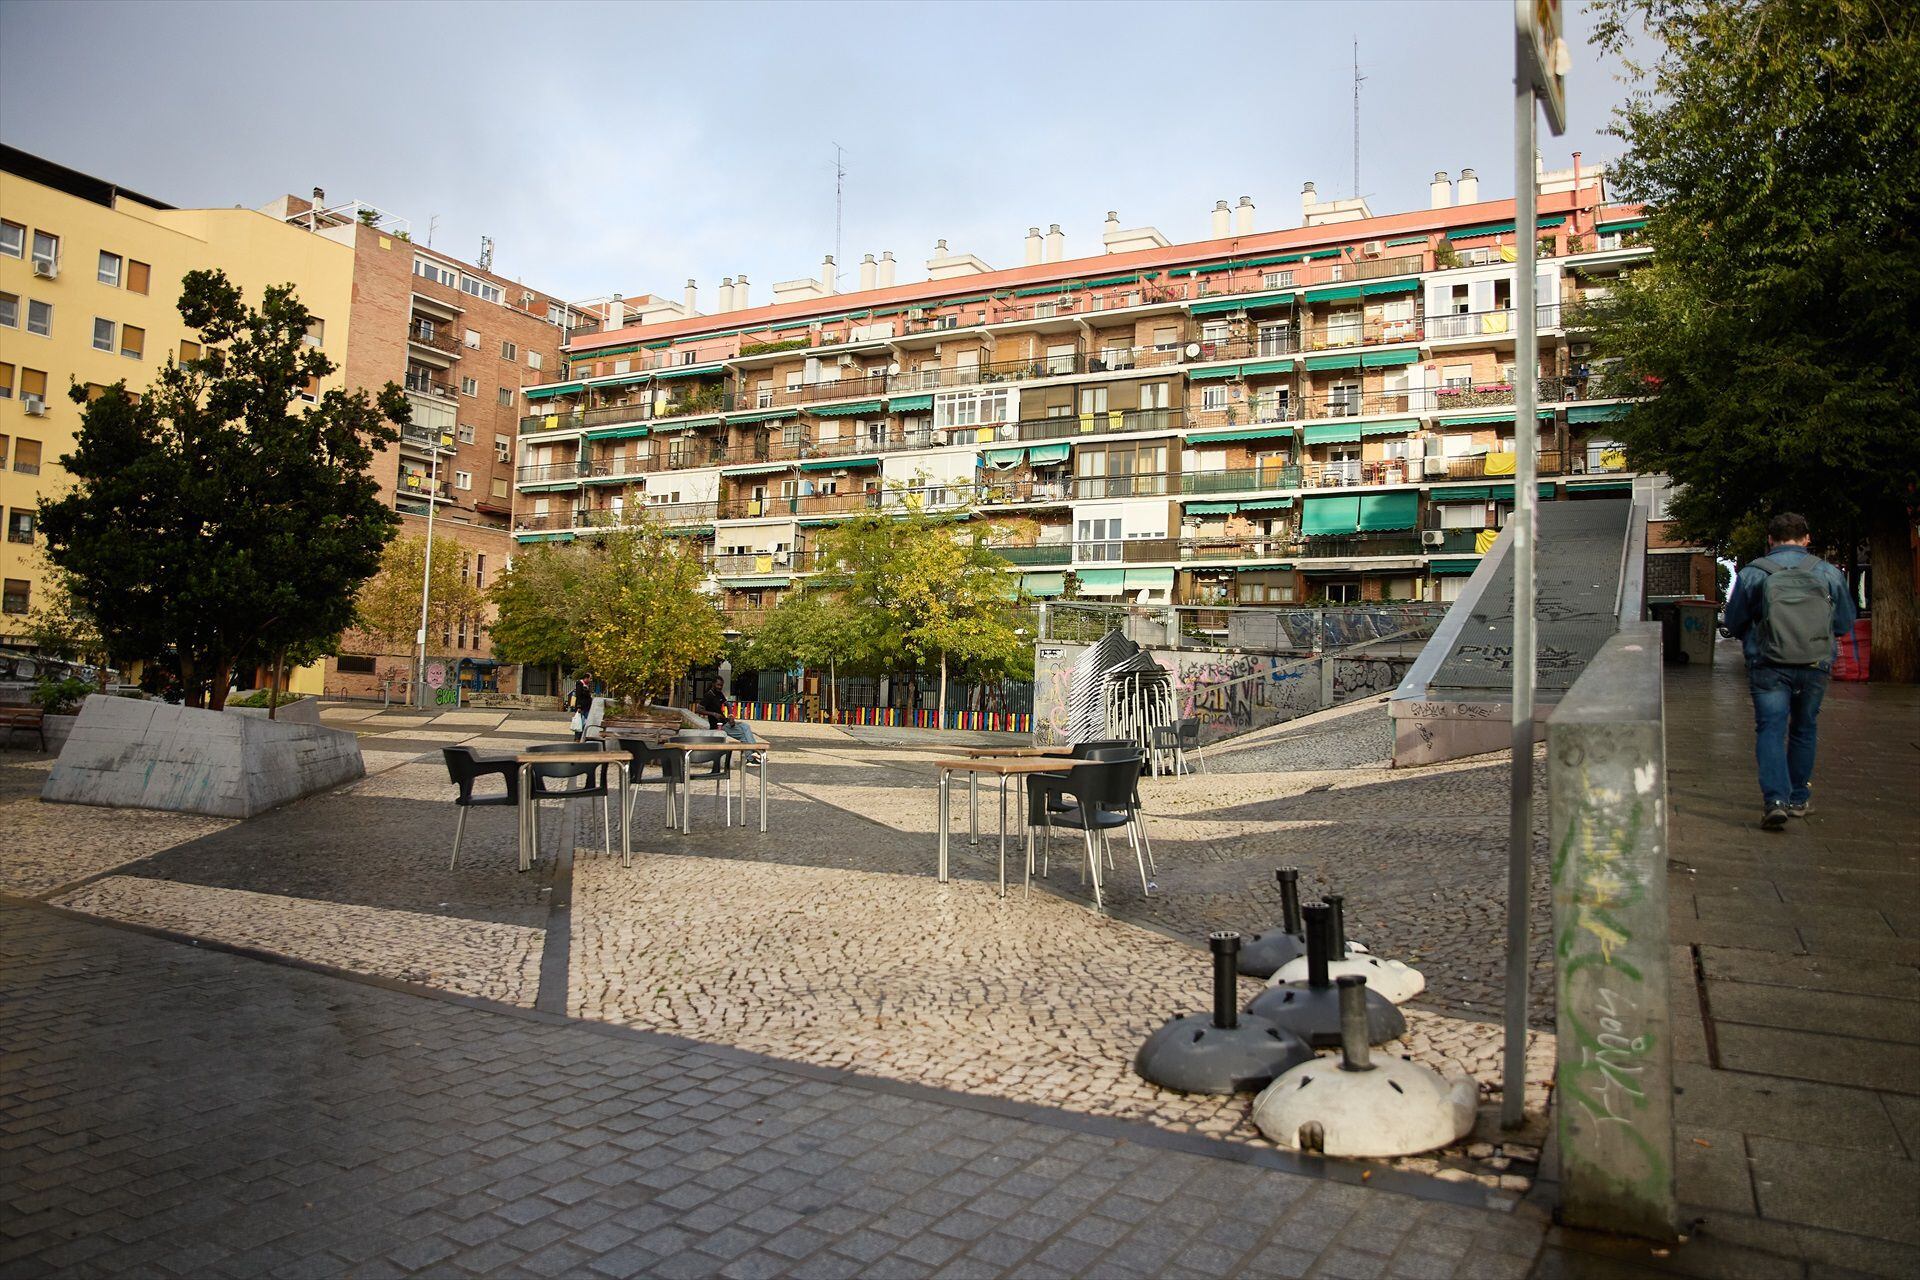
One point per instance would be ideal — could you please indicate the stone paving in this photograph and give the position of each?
(171, 1111)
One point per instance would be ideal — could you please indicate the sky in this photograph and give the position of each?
(629, 147)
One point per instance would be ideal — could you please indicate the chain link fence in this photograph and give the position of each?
(1250, 629)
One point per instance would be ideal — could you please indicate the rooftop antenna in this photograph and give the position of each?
(433, 222)
(486, 253)
(839, 194)
(1357, 78)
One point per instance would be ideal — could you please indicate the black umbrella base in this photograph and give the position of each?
(1192, 1055)
(1313, 1014)
(1262, 954)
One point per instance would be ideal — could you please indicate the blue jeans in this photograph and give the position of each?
(740, 731)
(1786, 709)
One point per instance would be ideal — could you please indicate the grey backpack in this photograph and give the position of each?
(1796, 616)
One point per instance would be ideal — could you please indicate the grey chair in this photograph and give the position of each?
(670, 766)
(1101, 791)
(465, 766)
(593, 776)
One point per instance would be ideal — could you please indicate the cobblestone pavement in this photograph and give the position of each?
(43, 847)
(172, 1111)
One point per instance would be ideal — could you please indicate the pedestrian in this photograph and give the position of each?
(1786, 608)
(713, 707)
(580, 703)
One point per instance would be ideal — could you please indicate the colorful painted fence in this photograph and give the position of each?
(885, 717)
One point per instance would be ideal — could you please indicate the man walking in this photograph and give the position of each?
(1786, 608)
(579, 701)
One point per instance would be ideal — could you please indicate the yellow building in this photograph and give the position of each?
(89, 282)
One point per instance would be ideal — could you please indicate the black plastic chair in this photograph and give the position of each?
(719, 766)
(593, 775)
(464, 767)
(1116, 749)
(672, 767)
(1102, 791)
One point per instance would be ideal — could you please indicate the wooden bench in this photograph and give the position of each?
(24, 720)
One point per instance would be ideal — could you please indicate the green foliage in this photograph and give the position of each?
(761, 348)
(60, 628)
(261, 698)
(540, 607)
(1445, 258)
(707, 399)
(1779, 321)
(60, 697)
(809, 629)
(215, 519)
(387, 610)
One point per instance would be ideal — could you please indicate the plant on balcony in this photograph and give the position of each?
(216, 521)
(1772, 144)
(1444, 257)
(785, 344)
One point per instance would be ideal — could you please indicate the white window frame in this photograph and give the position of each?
(45, 311)
(1213, 396)
(9, 311)
(1277, 280)
(484, 290)
(427, 269)
(464, 433)
(463, 480)
(534, 360)
(469, 386)
(112, 332)
(110, 268)
(13, 239)
(509, 350)
(505, 397)
(50, 257)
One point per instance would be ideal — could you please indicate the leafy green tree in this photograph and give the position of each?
(60, 628)
(540, 607)
(1777, 143)
(215, 520)
(810, 629)
(387, 610)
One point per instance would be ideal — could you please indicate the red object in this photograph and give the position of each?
(1856, 652)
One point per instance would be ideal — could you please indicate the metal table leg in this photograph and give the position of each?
(944, 807)
(763, 793)
(626, 831)
(526, 800)
(1003, 835)
(973, 808)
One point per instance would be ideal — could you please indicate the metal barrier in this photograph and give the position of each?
(1252, 628)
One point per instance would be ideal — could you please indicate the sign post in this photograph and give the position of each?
(1540, 58)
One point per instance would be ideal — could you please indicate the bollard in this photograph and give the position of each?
(1337, 903)
(1319, 944)
(1289, 878)
(1226, 985)
(1355, 1055)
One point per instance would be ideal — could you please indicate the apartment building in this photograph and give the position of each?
(89, 285)
(464, 341)
(1323, 413)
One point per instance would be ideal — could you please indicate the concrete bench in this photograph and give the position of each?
(24, 720)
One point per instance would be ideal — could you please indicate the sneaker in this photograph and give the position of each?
(1800, 810)
(1775, 819)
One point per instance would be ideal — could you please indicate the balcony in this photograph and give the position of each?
(415, 484)
(1257, 279)
(1241, 479)
(854, 388)
(1550, 462)
(1110, 421)
(421, 384)
(1361, 332)
(425, 439)
(1353, 473)
(755, 563)
(1264, 408)
(571, 419)
(1056, 553)
(1269, 345)
(1499, 323)
(433, 338)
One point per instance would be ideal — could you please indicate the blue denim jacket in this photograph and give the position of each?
(1744, 604)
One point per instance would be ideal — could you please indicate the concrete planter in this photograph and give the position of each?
(304, 711)
(58, 728)
(154, 755)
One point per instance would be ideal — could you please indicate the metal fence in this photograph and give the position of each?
(1251, 629)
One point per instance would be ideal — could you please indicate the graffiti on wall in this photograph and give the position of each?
(1052, 686)
(1364, 677)
(1233, 693)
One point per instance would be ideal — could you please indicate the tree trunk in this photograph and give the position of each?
(220, 675)
(273, 685)
(1896, 628)
(190, 693)
(940, 715)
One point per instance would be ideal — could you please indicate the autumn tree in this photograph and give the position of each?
(215, 519)
(811, 629)
(1775, 143)
(387, 610)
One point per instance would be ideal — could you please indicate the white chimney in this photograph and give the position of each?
(740, 294)
(616, 313)
(1308, 197)
(869, 269)
(827, 273)
(1056, 243)
(726, 293)
(1469, 187)
(1222, 220)
(1033, 246)
(1440, 191)
(693, 295)
(886, 269)
(1113, 222)
(1243, 217)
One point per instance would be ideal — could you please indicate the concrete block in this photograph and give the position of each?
(153, 755)
(303, 711)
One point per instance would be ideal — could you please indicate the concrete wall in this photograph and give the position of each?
(153, 755)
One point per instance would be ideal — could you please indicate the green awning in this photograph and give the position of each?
(909, 404)
(836, 464)
(1258, 565)
(1405, 240)
(688, 373)
(1453, 566)
(1597, 412)
(1002, 457)
(662, 426)
(1209, 508)
(1399, 510)
(1038, 290)
(1388, 359)
(741, 419)
(758, 469)
(814, 524)
(1266, 366)
(1049, 453)
(1223, 371)
(1241, 303)
(1630, 224)
(1338, 293)
(846, 410)
(1138, 578)
(1499, 493)
(1132, 278)
(690, 531)
(618, 433)
(547, 393)
(544, 537)
(1397, 427)
(624, 380)
(1473, 493)
(1598, 486)
(1267, 504)
(1318, 254)
(1506, 418)
(1316, 364)
(1379, 288)
(1101, 582)
(1249, 433)
(1333, 434)
(1321, 516)
(1044, 585)
(1473, 233)
(740, 584)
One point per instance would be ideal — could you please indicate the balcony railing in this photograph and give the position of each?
(1270, 345)
(803, 560)
(1479, 324)
(1104, 422)
(675, 514)
(1241, 479)
(421, 383)
(413, 484)
(1353, 472)
(854, 388)
(1361, 332)
(421, 438)
(436, 338)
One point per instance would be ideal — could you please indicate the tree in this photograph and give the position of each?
(626, 604)
(61, 628)
(387, 610)
(810, 629)
(215, 520)
(1779, 321)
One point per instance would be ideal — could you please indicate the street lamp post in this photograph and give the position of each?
(426, 576)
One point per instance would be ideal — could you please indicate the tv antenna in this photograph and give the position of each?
(433, 222)
(839, 194)
(1357, 79)
(486, 253)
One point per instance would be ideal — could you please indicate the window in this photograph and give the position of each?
(465, 432)
(20, 526)
(469, 386)
(10, 310)
(46, 250)
(1456, 377)
(479, 288)
(473, 340)
(189, 350)
(1398, 311)
(354, 664)
(1166, 339)
(33, 382)
(15, 596)
(109, 269)
(435, 272)
(499, 487)
(1099, 539)
(13, 239)
(26, 453)
(310, 393)
(133, 342)
(40, 317)
(505, 395)
(687, 357)
(6, 393)
(1276, 280)
(794, 380)
(102, 334)
(1213, 397)
(1093, 400)
(138, 274)
(316, 334)
(1153, 395)
(1215, 331)
(503, 448)
(972, 408)
(463, 479)
(533, 360)
(508, 350)
(94, 391)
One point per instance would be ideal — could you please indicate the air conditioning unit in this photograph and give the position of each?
(1434, 465)
(1433, 537)
(1373, 248)
(46, 270)
(36, 406)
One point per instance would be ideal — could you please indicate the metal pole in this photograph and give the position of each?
(1526, 438)
(426, 575)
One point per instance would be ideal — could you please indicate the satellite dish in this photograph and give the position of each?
(893, 370)
(1193, 351)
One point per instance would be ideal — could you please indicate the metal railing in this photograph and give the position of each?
(421, 438)
(871, 384)
(1107, 421)
(421, 383)
(1361, 331)
(436, 338)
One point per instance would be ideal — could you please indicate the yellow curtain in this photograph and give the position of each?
(1484, 540)
(1501, 464)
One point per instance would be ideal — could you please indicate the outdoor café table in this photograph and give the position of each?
(529, 819)
(1001, 767)
(973, 783)
(686, 801)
